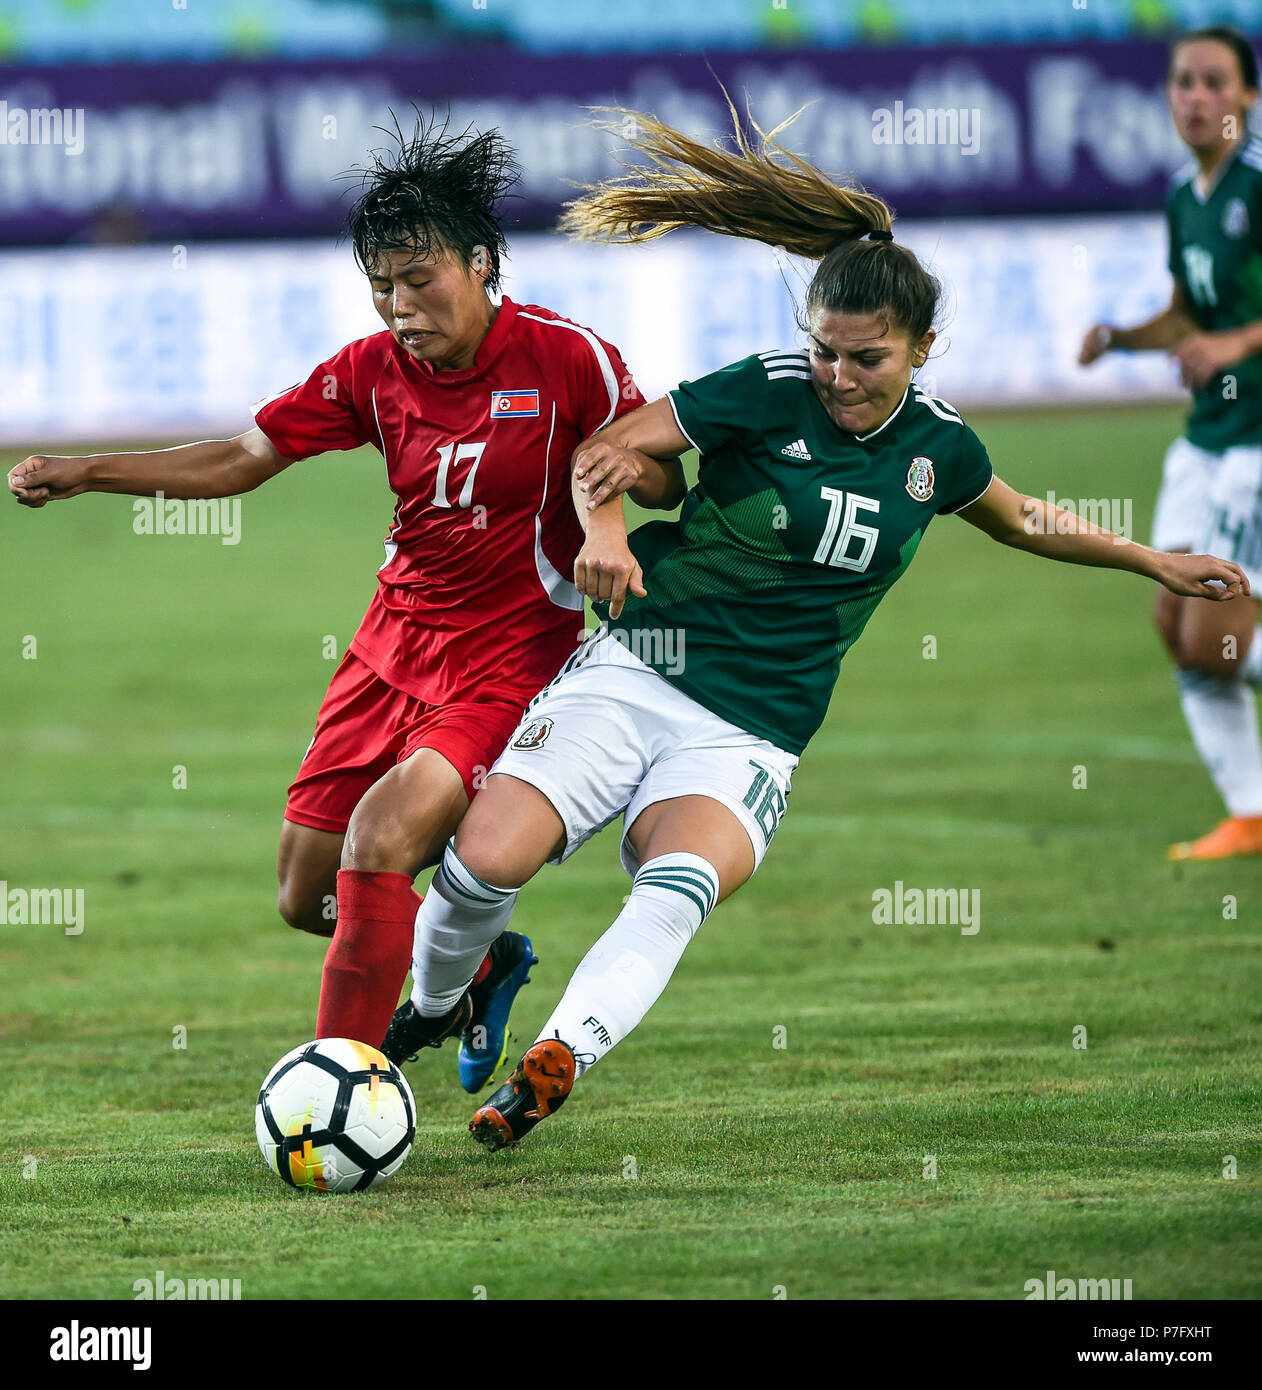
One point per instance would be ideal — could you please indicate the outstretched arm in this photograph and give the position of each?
(637, 453)
(1027, 523)
(212, 468)
(1160, 333)
(1201, 355)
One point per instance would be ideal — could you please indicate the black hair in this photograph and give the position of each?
(1234, 39)
(876, 277)
(433, 191)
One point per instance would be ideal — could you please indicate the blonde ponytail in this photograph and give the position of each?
(760, 192)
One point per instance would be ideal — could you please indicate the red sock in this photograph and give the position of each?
(369, 956)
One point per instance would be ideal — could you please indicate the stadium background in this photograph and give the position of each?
(185, 264)
(222, 129)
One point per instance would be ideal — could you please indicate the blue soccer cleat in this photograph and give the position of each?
(511, 958)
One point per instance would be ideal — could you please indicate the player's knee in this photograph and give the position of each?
(306, 911)
(1217, 666)
(489, 855)
(380, 841)
(1209, 652)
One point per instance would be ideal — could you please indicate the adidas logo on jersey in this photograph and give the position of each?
(780, 366)
(796, 450)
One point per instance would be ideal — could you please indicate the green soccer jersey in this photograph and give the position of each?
(793, 534)
(1216, 259)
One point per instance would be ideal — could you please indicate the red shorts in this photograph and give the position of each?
(365, 727)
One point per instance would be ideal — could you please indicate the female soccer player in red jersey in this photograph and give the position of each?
(477, 408)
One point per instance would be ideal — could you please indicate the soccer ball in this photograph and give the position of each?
(336, 1115)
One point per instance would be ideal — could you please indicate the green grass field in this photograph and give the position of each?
(756, 1167)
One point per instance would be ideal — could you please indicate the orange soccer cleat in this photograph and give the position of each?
(1237, 835)
(539, 1085)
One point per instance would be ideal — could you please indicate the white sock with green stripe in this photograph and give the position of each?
(458, 919)
(1223, 719)
(1251, 667)
(620, 978)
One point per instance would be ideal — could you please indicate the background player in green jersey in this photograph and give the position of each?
(1211, 487)
(725, 630)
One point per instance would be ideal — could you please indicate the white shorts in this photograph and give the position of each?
(1181, 515)
(610, 736)
(1233, 524)
(1212, 504)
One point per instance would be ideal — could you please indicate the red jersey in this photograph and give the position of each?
(477, 585)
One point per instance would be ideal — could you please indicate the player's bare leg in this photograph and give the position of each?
(696, 825)
(306, 870)
(1213, 646)
(405, 818)
(510, 833)
(693, 852)
(399, 828)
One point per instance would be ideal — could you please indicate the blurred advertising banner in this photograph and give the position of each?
(153, 343)
(248, 149)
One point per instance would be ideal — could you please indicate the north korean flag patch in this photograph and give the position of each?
(514, 404)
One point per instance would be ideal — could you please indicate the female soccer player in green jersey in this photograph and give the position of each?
(724, 631)
(1211, 487)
